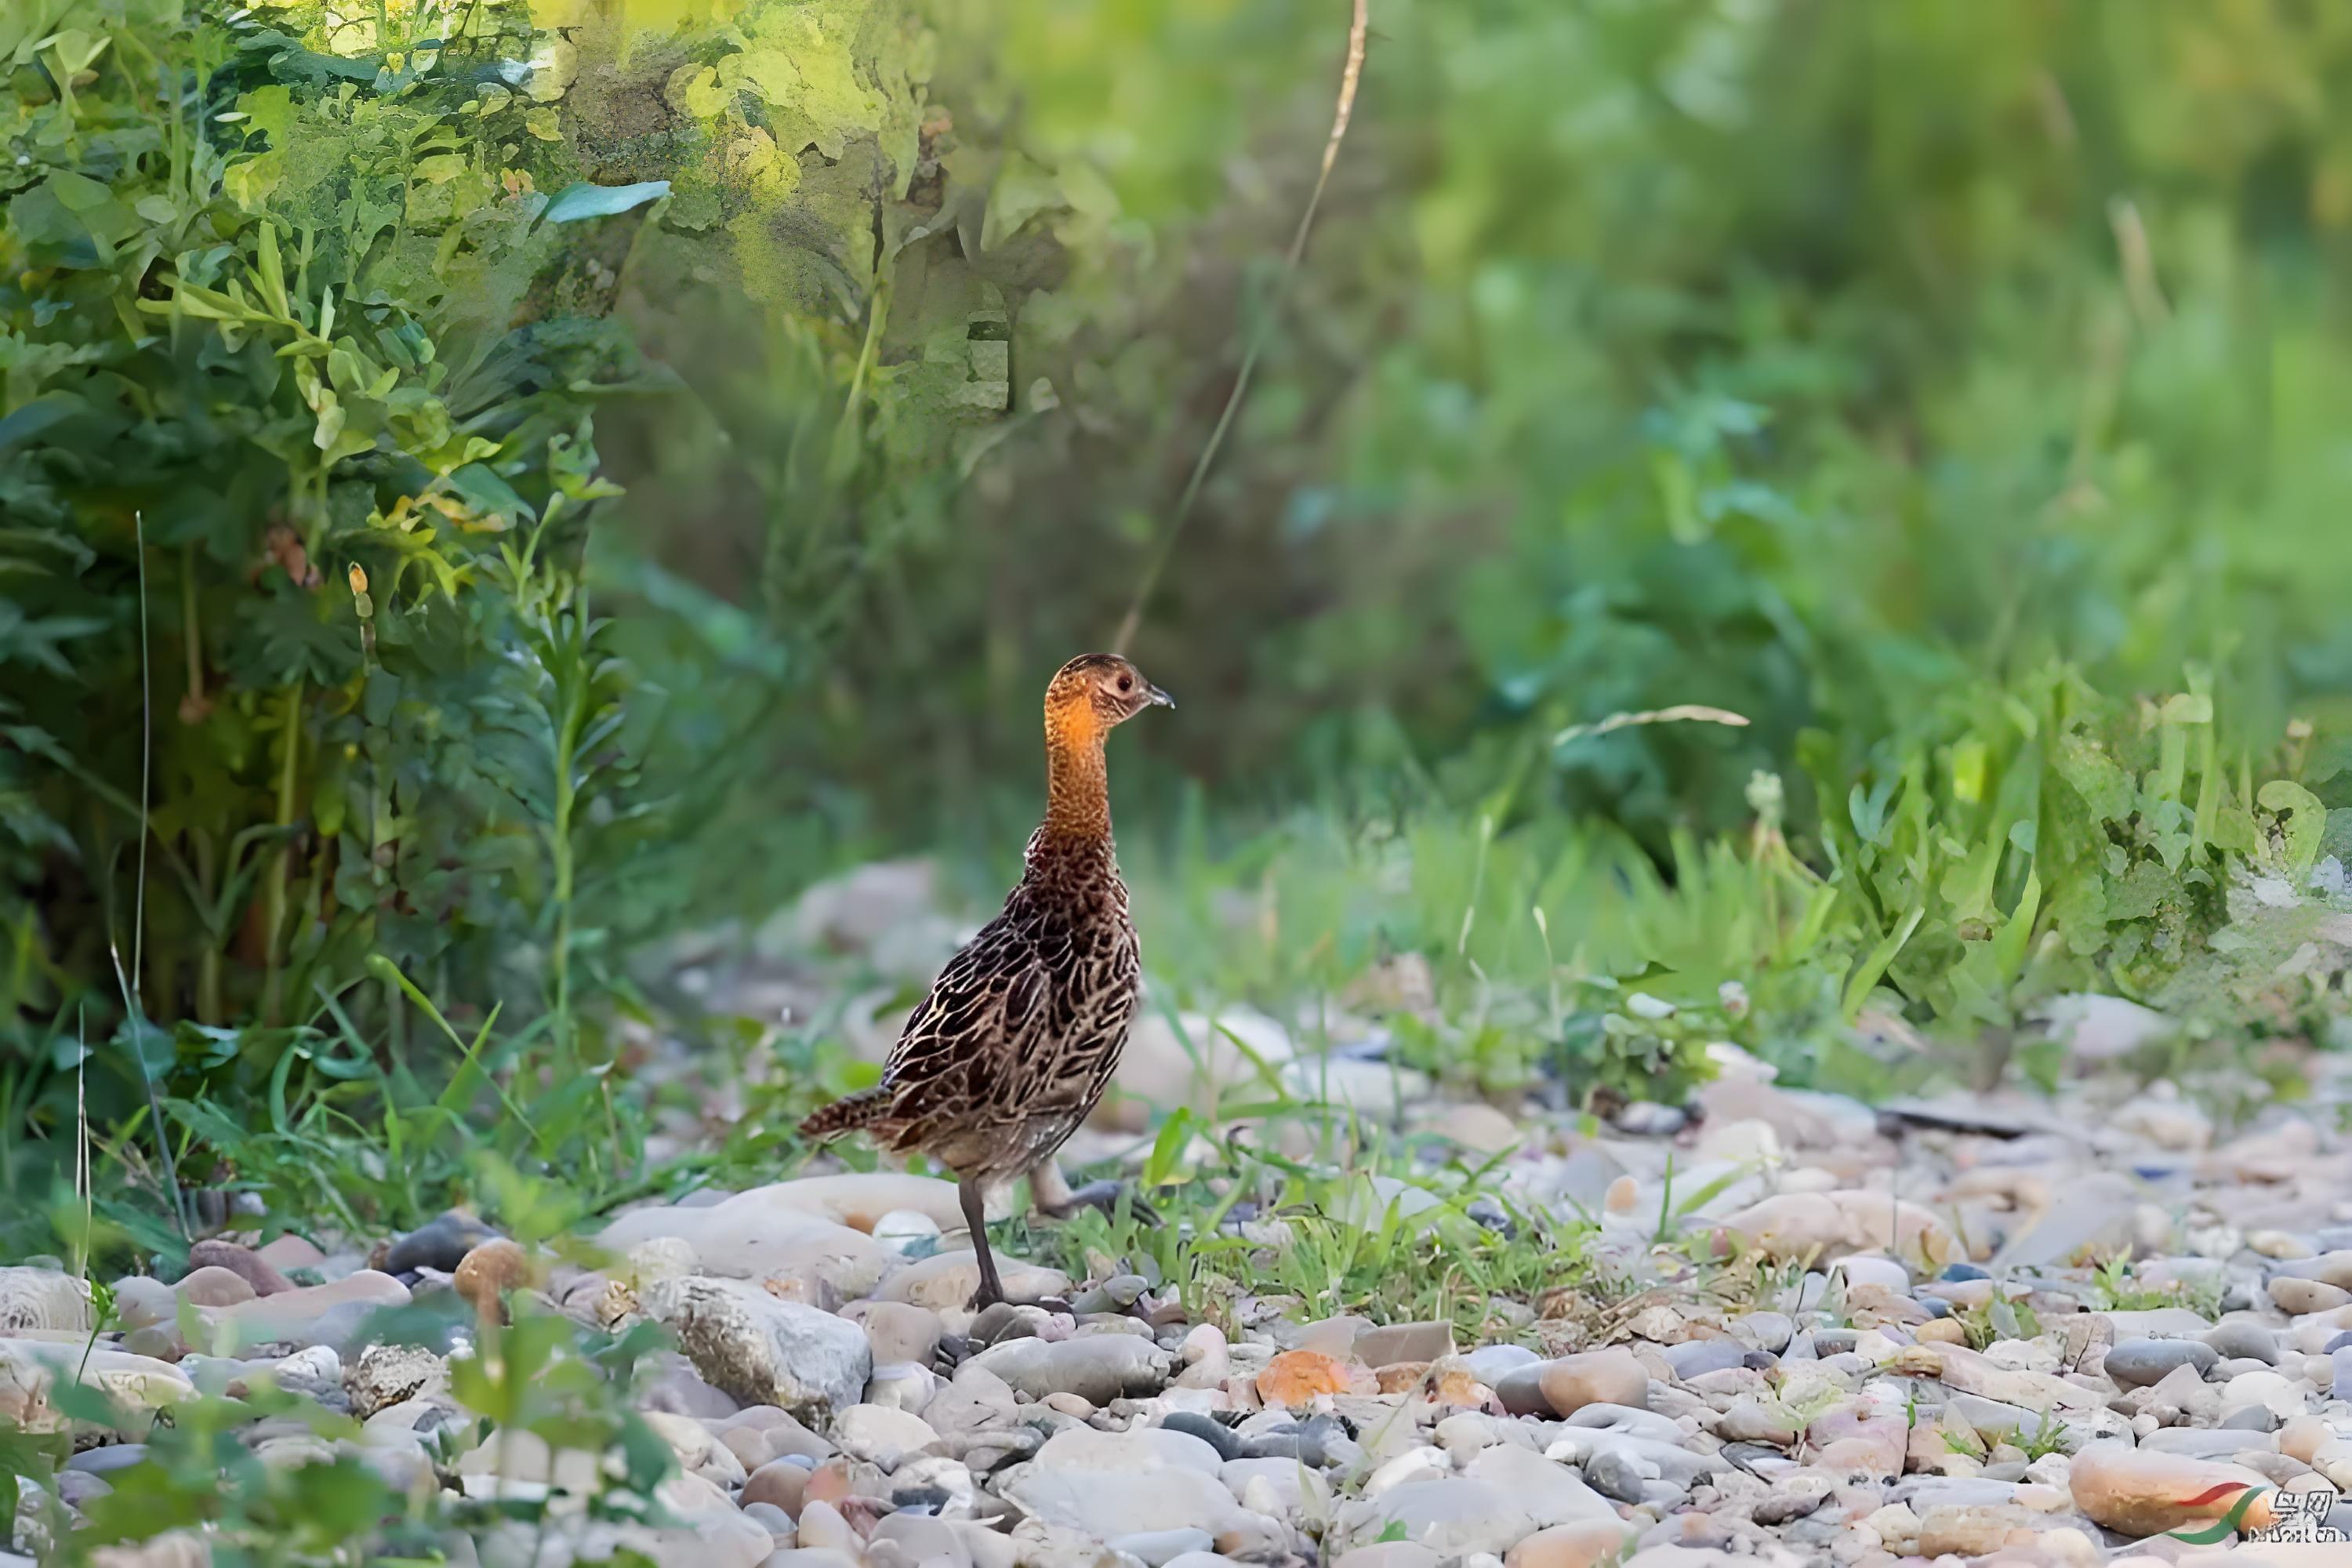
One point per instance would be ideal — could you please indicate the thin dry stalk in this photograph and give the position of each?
(1352, 76)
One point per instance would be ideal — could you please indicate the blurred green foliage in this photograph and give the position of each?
(1943, 388)
(1798, 358)
(540, 476)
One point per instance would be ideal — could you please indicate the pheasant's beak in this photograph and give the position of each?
(1159, 698)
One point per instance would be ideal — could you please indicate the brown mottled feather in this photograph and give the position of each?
(1018, 1036)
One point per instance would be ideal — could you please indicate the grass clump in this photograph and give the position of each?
(2116, 1287)
(1362, 1228)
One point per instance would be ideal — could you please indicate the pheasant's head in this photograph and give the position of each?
(1094, 692)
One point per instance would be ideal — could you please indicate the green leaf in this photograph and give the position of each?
(1858, 987)
(583, 200)
(488, 495)
(2010, 943)
(1168, 1149)
(43, 413)
(2305, 824)
(2104, 787)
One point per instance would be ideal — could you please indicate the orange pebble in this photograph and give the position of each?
(1295, 1377)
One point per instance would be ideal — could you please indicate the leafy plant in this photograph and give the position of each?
(298, 446)
(2116, 1289)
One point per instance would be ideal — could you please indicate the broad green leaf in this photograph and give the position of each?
(580, 200)
(42, 413)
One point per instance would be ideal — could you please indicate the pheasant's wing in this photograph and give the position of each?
(968, 1040)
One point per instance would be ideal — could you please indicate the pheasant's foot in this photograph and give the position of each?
(1104, 1197)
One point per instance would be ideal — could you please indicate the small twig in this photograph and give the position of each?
(146, 755)
(2138, 259)
(1351, 76)
(128, 983)
(1680, 714)
(82, 1180)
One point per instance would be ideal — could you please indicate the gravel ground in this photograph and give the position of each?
(1873, 1336)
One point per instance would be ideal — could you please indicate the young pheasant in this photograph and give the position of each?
(1019, 1035)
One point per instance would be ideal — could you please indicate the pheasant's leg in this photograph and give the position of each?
(1052, 1195)
(991, 1289)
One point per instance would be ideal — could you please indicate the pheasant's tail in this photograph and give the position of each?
(848, 1114)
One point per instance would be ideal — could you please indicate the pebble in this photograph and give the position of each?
(1301, 1376)
(253, 1268)
(1851, 1439)
(2138, 1363)
(898, 1330)
(214, 1286)
(1563, 1386)
(439, 1244)
(1097, 1369)
(905, 1540)
(762, 1350)
(104, 1461)
(2303, 1296)
(945, 1281)
(1221, 1439)
(1490, 1363)
(1388, 1554)
(1591, 1545)
(2139, 1493)
(1550, 1492)
(1103, 1503)
(487, 1271)
(782, 1483)
(1616, 1474)
(1156, 1549)
(1694, 1358)
(328, 1314)
(2243, 1339)
(1396, 1342)
(1451, 1516)
(882, 1436)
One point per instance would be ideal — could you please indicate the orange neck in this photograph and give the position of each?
(1077, 786)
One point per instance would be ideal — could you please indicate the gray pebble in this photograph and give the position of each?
(1750, 1456)
(769, 1517)
(440, 1243)
(1216, 1433)
(1614, 1474)
(2240, 1338)
(1304, 1446)
(107, 1460)
(1156, 1548)
(1765, 1330)
(2137, 1363)
(1489, 1362)
(1784, 1507)
(1694, 1358)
